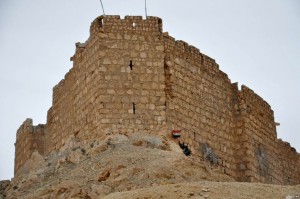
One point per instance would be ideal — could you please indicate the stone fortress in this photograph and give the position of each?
(130, 77)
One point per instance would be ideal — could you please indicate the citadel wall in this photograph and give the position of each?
(263, 159)
(256, 131)
(287, 163)
(129, 77)
(199, 101)
(29, 139)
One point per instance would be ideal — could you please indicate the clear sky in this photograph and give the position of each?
(257, 43)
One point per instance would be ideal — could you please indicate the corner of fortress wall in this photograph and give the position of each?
(130, 77)
(263, 157)
(117, 70)
(29, 139)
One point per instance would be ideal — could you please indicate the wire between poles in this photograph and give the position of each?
(102, 8)
(146, 8)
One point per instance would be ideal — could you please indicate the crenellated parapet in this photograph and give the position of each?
(114, 23)
(254, 102)
(192, 55)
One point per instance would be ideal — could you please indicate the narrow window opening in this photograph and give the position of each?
(130, 64)
(159, 25)
(101, 23)
(165, 105)
(133, 108)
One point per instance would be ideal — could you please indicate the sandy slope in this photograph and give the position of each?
(215, 190)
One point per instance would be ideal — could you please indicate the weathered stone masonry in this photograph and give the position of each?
(29, 138)
(129, 77)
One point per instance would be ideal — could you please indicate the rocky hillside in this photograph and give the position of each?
(131, 166)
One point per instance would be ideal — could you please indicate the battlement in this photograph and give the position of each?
(252, 99)
(25, 127)
(113, 23)
(28, 127)
(192, 54)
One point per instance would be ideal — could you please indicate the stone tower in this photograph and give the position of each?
(130, 77)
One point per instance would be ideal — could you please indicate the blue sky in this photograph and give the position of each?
(255, 42)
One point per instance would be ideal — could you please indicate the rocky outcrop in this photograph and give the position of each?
(96, 168)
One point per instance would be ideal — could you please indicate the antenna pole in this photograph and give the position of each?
(102, 7)
(146, 8)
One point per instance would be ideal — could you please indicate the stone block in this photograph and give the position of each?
(143, 55)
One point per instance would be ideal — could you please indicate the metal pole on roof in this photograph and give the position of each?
(146, 8)
(102, 7)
